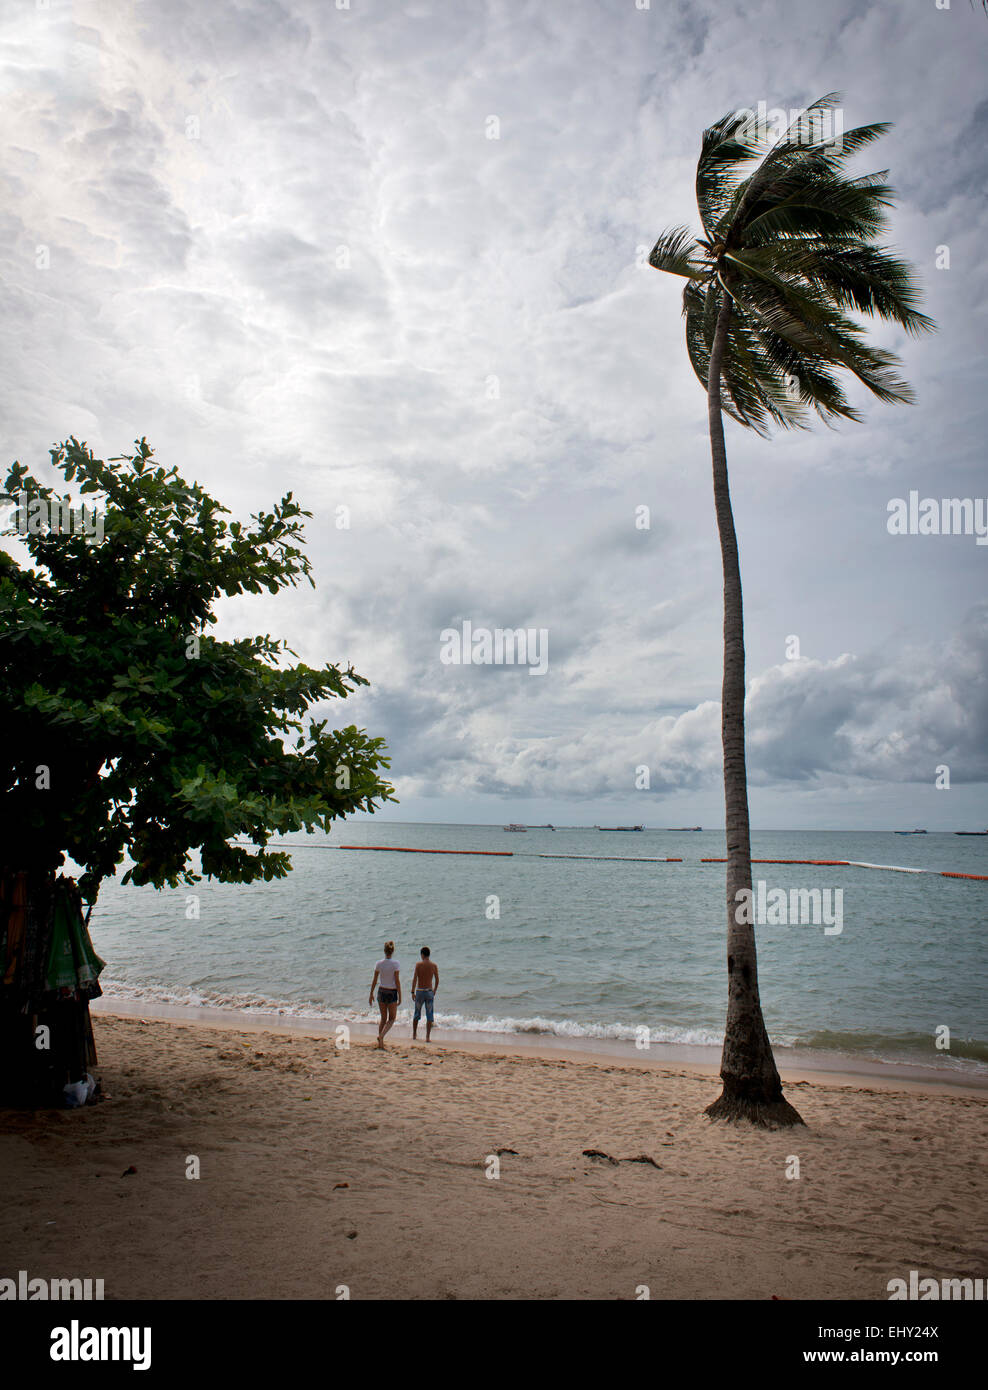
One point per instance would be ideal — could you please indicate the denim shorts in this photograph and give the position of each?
(423, 996)
(387, 996)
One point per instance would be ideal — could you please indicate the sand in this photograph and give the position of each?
(323, 1171)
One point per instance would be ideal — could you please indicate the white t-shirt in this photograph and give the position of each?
(386, 970)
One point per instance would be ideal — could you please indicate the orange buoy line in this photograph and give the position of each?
(640, 859)
(860, 864)
(405, 849)
(788, 861)
(611, 858)
(644, 859)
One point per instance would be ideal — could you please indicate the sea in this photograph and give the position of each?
(579, 936)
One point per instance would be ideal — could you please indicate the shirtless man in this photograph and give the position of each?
(425, 983)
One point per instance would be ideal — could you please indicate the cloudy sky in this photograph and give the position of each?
(390, 256)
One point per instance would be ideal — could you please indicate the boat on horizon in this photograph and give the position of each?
(522, 828)
(909, 832)
(685, 827)
(613, 828)
(971, 832)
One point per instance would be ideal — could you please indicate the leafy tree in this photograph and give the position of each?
(130, 729)
(786, 251)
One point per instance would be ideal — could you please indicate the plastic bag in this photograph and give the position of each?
(77, 1093)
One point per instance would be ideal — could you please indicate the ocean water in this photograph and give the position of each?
(580, 947)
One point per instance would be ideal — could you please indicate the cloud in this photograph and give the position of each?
(285, 247)
(886, 716)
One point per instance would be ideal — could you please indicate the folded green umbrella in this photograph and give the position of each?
(72, 962)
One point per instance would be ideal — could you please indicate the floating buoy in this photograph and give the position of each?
(406, 849)
(613, 858)
(799, 861)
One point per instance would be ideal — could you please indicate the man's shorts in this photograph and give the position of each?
(424, 996)
(387, 996)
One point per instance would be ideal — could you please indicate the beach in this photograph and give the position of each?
(460, 1172)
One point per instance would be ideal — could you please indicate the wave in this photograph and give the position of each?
(895, 1046)
(187, 997)
(184, 996)
(916, 1048)
(569, 1028)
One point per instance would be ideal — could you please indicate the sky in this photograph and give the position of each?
(392, 257)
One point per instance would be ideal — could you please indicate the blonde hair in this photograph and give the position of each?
(389, 948)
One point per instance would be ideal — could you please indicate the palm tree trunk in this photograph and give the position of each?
(752, 1089)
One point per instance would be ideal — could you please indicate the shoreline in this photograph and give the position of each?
(812, 1068)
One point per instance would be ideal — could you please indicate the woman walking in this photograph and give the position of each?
(389, 993)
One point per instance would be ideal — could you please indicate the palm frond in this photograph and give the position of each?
(808, 204)
(850, 276)
(676, 251)
(816, 385)
(753, 394)
(722, 153)
(835, 341)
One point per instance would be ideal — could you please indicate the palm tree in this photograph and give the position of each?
(786, 250)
